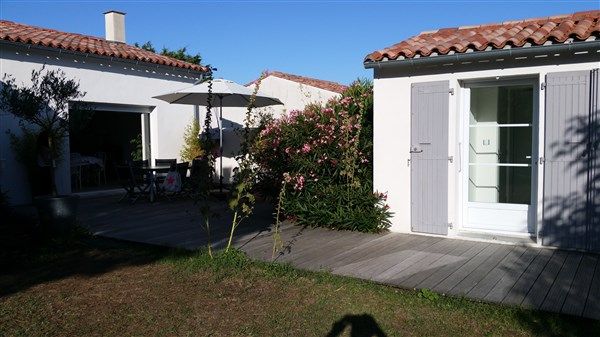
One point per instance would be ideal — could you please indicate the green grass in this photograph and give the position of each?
(101, 287)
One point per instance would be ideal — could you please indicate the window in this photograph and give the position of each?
(500, 144)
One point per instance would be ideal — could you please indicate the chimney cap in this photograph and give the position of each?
(114, 11)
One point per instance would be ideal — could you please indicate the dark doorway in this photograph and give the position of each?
(98, 141)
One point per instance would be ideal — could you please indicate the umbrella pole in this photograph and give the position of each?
(221, 144)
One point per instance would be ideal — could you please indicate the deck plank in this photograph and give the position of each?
(399, 256)
(592, 304)
(383, 253)
(487, 283)
(542, 285)
(431, 265)
(520, 289)
(435, 252)
(451, 266)
(314, 260)
(562, 283)
(479, 273)
(369, 249)
(459, 274)
(512, 273)
(575, 301)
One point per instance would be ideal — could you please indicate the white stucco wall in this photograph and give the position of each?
(104, 80)
(392, 102)
(294, 95)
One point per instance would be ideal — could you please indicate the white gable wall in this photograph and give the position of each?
(392, 108)
(104, 81)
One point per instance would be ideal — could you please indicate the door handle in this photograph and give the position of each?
(415, 150)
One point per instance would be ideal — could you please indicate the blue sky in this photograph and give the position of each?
(323, 39)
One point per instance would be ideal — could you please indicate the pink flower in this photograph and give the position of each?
(306, 148)
(299, 185)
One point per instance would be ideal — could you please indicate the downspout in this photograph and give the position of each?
(487, 55)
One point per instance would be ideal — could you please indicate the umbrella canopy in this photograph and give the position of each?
(225, 94)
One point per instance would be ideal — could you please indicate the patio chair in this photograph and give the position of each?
(102, 168)
(139, 163)
(165, 162)
(136, 164)
(134, 188)
(193, 183)
(160, 177)
(182, 169)
(76, 170)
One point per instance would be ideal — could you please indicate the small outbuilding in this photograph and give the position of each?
(492, 131)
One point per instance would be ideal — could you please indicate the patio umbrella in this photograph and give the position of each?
(225, 93)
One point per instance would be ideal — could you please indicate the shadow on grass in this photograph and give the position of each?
(360, 326)
(541, 323)
(28, 258)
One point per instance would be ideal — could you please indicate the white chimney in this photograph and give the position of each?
(114, 24)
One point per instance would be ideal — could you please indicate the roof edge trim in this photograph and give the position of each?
(486, 55)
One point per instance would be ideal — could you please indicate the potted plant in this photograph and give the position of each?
(43, 109)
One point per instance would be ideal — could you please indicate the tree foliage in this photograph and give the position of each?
(192, 148)
(180, 54)
(45, 105)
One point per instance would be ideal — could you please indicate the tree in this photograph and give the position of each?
(192, 148)
(180, 54)
(44, 104)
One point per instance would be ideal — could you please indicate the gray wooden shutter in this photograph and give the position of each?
(594, 189)
(566, 169)
(429, 157)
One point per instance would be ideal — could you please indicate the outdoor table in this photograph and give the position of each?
(151, 171)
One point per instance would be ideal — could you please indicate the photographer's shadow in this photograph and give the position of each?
(360, 326)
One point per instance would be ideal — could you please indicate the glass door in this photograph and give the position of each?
(500, 157)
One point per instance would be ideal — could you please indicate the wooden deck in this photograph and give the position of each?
(544, 279)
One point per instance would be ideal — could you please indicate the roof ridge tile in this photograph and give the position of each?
(314, 82)
(52, 38)
(575, 27)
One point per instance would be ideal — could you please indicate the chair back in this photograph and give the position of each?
(102, 156)
(195, 168)
(170, 162)
(139, 163)
(182, 169)
(125, 176)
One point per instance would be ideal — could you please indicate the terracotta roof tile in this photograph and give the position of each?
(313, 82)
(579, 26)
(20, 33)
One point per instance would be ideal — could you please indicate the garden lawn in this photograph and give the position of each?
(99, 287)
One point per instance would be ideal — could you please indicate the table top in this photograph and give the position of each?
(79, 160)
(156, 168)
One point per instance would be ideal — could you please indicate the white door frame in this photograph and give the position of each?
(463, 155)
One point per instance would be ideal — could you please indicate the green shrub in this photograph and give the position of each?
(192, 148)
(323, 155)
(136, 145)
(336, 206)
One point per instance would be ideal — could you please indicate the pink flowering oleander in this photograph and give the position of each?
(306, 148)
(311, 151)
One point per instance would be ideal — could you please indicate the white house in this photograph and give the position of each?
(120, 81)
(295, 92)
(492, 131)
